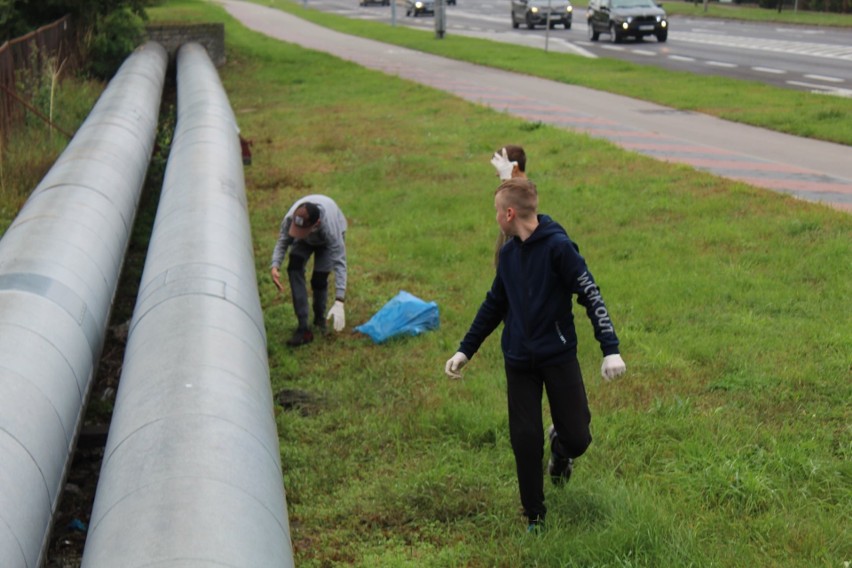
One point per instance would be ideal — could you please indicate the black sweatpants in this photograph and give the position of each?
(569, 410)
(296, 268)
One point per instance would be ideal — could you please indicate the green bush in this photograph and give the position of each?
(115, 37)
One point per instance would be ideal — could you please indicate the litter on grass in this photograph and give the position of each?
(404, 315)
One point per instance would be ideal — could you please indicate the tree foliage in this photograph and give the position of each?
(116, 35)
(18, 17)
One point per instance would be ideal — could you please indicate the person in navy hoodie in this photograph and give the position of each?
(539, 271)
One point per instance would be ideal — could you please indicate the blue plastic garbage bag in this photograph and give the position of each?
(405, 314)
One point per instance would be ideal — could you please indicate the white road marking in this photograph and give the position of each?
(681, 58)
(799, 31)
(768, 70)
(721, 64)
(824, 78)
(823, 89)
(779, 46)
(644, 52)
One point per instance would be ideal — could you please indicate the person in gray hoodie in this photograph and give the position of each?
(539, 271)
(314, 225)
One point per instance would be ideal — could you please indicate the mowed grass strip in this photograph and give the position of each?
(789, 13)
(811, 115)
(728, 443)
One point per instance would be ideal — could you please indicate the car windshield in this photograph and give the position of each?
(633, 4)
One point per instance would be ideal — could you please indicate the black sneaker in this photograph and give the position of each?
(301, 337)
(558, 467)
(536, 525)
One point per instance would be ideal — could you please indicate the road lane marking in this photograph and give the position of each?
(823, 89)
(721, 64)
(644, 52)
(768, 70)
(681, 58)
(824, 78)
(825, 50)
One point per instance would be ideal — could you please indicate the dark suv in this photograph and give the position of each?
(417, 7)
(534, 13)
(626, 18)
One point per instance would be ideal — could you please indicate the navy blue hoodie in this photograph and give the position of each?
(532, 294)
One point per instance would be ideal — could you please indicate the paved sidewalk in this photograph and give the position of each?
(808, 169)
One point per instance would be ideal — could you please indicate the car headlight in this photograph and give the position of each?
(418, 4)
(569, 9)
(664, 24)
(628, 20)
(624, 25)
(534, 10)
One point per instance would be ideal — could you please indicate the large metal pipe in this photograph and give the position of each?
(60, 262)
(191, 474)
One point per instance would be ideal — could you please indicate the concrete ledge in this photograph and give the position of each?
(172, 36)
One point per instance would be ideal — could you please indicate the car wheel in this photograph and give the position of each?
(515, 23)
(613, 34)
(530, 25)
(593, 35)
(662, 36)
(567, 25)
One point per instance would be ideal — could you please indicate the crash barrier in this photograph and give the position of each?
(60, 262)
(191, 472)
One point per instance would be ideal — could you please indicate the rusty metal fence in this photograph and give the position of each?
(29, 54)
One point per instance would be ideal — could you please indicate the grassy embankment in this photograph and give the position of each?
(799, 113)
(727, 444)
(31, 149)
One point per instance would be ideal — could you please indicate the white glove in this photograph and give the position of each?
(454, 365)
(612, 366)
(338, 314)
(502, 164)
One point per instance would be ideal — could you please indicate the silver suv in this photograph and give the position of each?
(535, 12)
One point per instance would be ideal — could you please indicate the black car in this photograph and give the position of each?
(417, 7)
(534, 13)
(368, 2)
(626, 18)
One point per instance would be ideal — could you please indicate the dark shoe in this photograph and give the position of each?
(559, 467)
(301, 337)
(535, 525)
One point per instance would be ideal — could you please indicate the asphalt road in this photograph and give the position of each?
(807, 169)
(817, 59)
